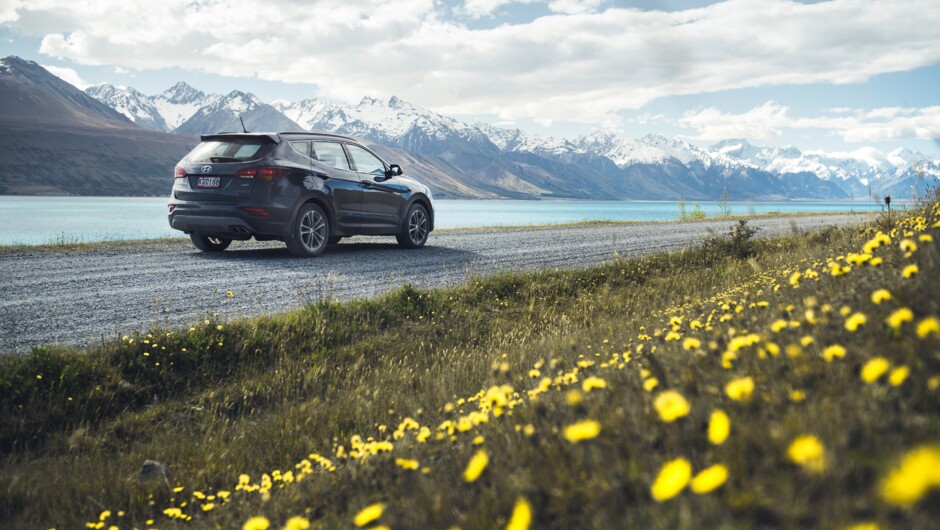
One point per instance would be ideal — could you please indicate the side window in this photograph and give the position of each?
(365, 161)
(301, 147)
(331, 154)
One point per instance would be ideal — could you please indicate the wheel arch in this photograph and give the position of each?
(423, 201)
(321, 201)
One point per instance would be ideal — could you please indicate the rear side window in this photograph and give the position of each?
(331, 154)
(234, 150)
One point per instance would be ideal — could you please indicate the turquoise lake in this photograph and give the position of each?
(40, 220)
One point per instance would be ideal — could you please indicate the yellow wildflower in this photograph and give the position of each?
(908, 246)
(809, 453)
(369, 514)
(671, 405)
(910, 270)
(672, 479)
(407, 463)
(709, 479)
(740, 389)
(719, 426)
(297, 523)
(831, 352)
(478, 440)
(691, 343)
(874, 369)
(521, 515)
(476, 466)
(880, 296)
(573, 398)
(917, 472)
(593, 382)
(582, 430)
(795, 279)
(257, 522)
(855, 321)
(898, 375)
(650, 384)
(899, 317)
(928, 326)
(864, 526)
(797, 395)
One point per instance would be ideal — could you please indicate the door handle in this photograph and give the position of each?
(368, 184)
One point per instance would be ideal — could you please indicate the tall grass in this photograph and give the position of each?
(349, 397)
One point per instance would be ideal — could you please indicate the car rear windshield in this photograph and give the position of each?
(230, 150)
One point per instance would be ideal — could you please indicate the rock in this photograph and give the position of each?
(153, 470)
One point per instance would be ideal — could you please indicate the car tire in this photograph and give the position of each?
(209, 244)
(335, 240)
(309, 233)
(415, 229)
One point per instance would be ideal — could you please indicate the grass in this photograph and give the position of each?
(346, 396)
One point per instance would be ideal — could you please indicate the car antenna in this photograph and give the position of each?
(243, 123)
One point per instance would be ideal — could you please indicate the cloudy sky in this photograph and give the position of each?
(834, 75)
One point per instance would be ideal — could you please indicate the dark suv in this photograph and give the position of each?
(306, 189)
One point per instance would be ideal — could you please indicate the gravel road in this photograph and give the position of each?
(82, 298)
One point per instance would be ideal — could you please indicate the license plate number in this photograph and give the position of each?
(208, 182)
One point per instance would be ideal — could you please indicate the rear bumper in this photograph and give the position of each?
(227, 222)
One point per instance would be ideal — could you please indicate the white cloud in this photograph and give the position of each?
(580, 68)
(771, 119)
(486, 8)
(574, 7)
(69, 76)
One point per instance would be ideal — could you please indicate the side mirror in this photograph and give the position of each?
(394, 170)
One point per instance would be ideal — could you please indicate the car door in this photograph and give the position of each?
(381, 196)
(344, 184)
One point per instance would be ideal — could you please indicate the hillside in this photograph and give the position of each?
(781, 383)
(55, 139)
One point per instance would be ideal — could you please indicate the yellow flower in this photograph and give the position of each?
(880, 296)
(719, 426)
(521, 515)
(795, 279)
(671, 405)
(797, 395)
(257, 522)
(925, 238)
(831, 352)
(908, 246)
(369, 514)
(928, 326)
(853, 322)
(407, 463)
(709, 479)
(672, 479)
(899, 317)
(476, 466)
(691, 343)
(478, 440)
(874, 369)
(573, 398)
(740, 389)
(583, 430)
(229, 294)
(593, 382)
(864, 526)
(297, 523)
(898, 375)
(809, 453)
(650, 384)
(918, 471)
(910, 270)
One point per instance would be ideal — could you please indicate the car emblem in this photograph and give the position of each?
(207, 169)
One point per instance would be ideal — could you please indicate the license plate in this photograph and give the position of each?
(208, 182)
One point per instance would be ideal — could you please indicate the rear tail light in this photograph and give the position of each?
(262, 173)
(179, 173)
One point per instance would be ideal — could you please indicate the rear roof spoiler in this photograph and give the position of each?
(228, 135)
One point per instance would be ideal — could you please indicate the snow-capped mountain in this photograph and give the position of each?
(179, 102)
(224, 114)
(503, 162)
(135, 106)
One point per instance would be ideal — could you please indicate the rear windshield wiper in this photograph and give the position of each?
(220, 159)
